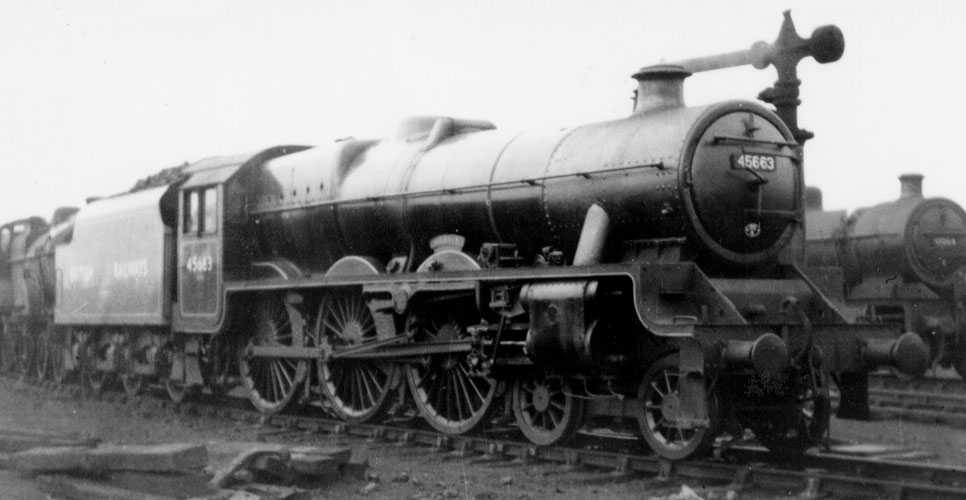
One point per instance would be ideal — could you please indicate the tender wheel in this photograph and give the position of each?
(272, 382)
(177, 391)
(799, 424)
(25, 352)
(356, 390)
(218, 357)
(42, 360)
(90, 378)
(8, 360)
(96, 381)
(959, 364)
(171, 374)
(132, 382)
(546, 410)
(57, 357)
(72, 346)
(659, 395)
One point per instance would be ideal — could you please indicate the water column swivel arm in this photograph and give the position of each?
(825, 45)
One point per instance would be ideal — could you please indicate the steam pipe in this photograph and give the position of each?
(593, 235)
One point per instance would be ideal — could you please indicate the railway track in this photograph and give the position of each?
(929, 400)
(744, 467)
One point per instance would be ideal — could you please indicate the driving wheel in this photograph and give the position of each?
(272, 382)
(356, 390)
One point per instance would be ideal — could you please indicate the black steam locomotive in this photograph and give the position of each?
(640, 268)
(901, 262)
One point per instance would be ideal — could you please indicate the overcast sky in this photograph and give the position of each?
(96, 94)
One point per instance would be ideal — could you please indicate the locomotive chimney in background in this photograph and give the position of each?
(813, 198)
(659, 87)
(911, 186)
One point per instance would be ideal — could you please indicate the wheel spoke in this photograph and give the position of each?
(270, 383)
(377, 380)
(554, 419)
(342, 315)
(370, 396)
(680, 434)
(368, 324)
(288, 373)
(457, 397)
(280, 380)
(330, 327)
(472, 382)
(465, 393)
(356, 312)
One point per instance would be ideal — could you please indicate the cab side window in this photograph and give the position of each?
(200, 211)
(190, 211)
(210, 212)
(4, 241)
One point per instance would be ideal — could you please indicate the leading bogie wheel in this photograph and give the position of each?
(272, 382)
(356, 390)
(800, 423)
(659, 423)
(546, 409)
(447, 391)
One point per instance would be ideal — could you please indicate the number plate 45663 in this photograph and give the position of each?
(756, 162)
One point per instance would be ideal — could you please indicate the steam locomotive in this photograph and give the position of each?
(901, 262)
(642, 268)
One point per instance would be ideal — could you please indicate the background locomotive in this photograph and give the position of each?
(901, 262)
(641, 268)
(27, 284)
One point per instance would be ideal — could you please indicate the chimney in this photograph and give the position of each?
(659, 87)
(813, 198)
(911, 186)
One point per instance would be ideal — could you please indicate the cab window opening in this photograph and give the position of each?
(209, 199)
(4, 240)
(191, 207)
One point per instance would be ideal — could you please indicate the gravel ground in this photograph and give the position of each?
(397, 473)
